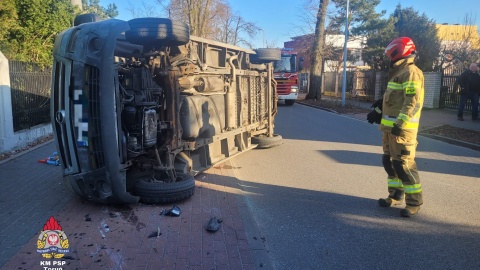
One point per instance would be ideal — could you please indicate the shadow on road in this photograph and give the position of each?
(423, 164)
(337, 231)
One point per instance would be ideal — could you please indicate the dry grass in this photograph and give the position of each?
(456, 133)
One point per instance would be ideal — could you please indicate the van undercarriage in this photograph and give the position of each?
(140, 107)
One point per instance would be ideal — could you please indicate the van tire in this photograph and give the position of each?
(263, 141)
(157, 32)
(86, 18)
(289, 102)
(266, 55)
(165, 192)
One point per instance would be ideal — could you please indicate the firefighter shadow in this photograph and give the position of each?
(423, 164)
(344, 231)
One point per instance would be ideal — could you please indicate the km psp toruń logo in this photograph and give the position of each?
(52, 242)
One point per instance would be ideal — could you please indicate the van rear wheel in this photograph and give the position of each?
(157, 32)
(266, 55)
(263, 141)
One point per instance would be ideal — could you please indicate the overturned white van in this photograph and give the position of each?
(140, 107)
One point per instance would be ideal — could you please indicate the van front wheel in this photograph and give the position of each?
(157, 192)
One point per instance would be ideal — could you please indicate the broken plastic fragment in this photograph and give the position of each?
(174, 212)
(104, 226)
(101, 233)
(213, 225)
(155, 234)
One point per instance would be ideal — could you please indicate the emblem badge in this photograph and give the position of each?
(52, 242)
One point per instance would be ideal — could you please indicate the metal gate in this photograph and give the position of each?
(449, 93)
(30, 86)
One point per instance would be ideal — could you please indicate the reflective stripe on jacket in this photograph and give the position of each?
(403, 99)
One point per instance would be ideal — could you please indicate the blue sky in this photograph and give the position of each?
(280, 19)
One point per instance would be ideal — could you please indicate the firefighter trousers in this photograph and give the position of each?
(399, 163)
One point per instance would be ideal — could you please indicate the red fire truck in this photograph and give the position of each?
(286, 76)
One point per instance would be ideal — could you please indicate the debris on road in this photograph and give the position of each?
(52, 160)
(104, 228)
(214, 224)
(174, 212)
(155, 234)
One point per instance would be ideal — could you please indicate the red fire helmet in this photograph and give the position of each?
(400, 48)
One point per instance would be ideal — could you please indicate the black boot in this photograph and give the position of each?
(460, 118)
(409, 210)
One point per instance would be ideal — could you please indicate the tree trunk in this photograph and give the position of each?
(316, 58)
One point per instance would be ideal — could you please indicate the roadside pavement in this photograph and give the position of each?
(124, 237)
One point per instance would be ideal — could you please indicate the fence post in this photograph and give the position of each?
(378, 85)
(322, 89)
(6, 119)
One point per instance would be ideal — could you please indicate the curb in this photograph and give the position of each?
(316, 107)
(452, 141)
(468, 145)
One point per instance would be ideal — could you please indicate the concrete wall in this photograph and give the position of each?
(10, 140)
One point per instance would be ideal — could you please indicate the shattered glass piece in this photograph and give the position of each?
(174, 212)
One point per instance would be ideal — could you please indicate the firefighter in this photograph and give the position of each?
(399, 116)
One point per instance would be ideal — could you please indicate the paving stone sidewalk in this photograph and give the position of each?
(119, 237)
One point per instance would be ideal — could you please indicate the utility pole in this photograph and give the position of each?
(344, 81)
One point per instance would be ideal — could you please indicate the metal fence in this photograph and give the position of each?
(30, 86)
(303, 79)
(449, 94)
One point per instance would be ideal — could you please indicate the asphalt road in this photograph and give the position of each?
(314, 198)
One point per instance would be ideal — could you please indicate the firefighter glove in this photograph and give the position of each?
(378, 104)
(396, 130)
(376, 115)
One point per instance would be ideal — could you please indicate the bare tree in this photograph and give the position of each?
(214, 19)
(272, 43)
(316, 59)
(199, 14)
(241, 26)
(224, 24)
(143, 9)
(230, 27)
